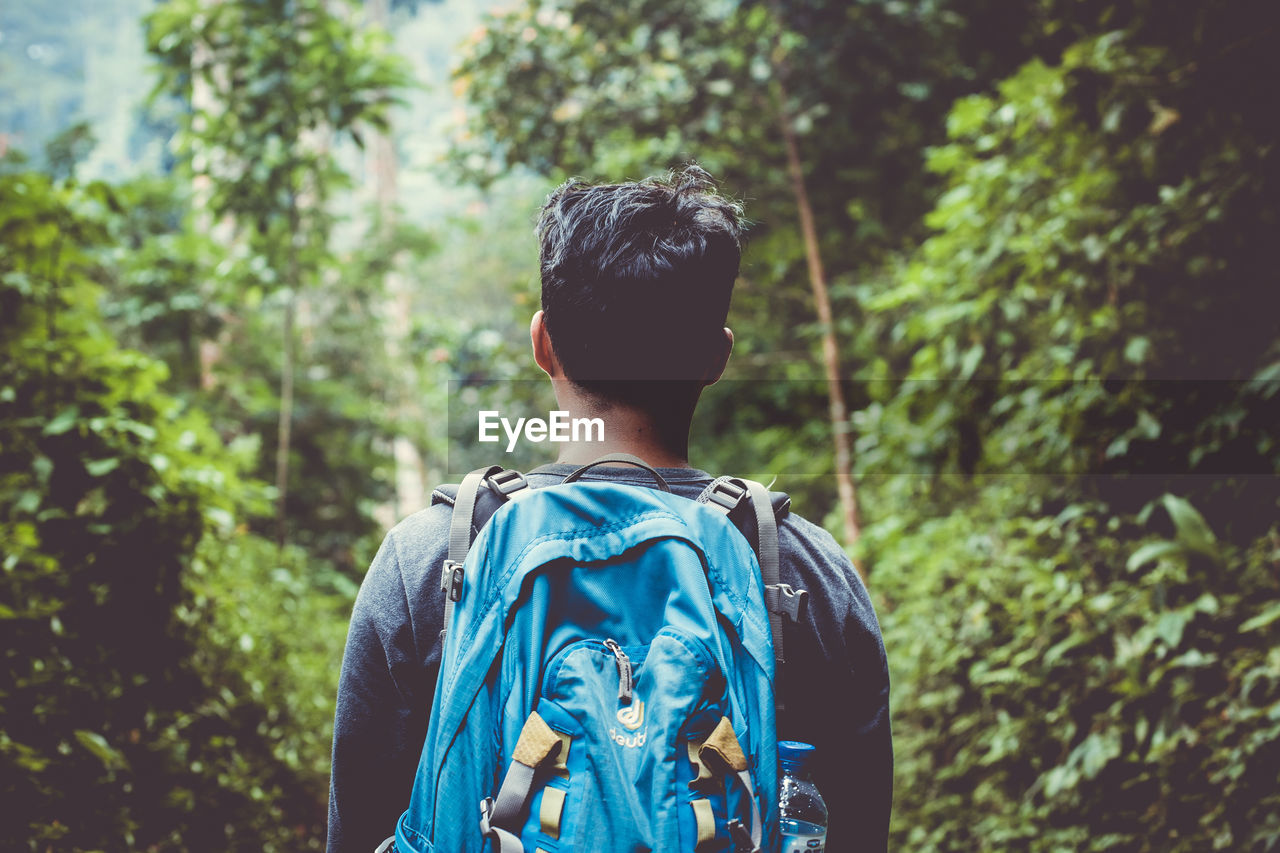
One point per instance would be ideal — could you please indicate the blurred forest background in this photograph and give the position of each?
(1007, 322)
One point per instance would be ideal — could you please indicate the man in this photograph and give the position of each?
(636, 281)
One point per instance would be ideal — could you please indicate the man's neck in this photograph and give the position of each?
(626, 430)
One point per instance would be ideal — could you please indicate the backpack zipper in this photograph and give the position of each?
(624, 670)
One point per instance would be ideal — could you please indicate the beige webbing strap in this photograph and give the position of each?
(561, 765)
(552, 809)
(705, 780)
(722, 750)
(500, 816)
(537, 741)
(705, 819)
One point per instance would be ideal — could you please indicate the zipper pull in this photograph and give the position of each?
(624, 670)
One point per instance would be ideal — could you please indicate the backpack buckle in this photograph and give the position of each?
(741, 837)
(451, 580)
(725, 496)
(783, 598)
(506, 482)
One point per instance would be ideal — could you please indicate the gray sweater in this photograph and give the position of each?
(834, 686)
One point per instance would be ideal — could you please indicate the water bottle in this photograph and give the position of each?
(802, 811)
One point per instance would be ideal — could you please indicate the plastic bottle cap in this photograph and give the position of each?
(794, 753)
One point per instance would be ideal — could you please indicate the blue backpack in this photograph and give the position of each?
(607, 680)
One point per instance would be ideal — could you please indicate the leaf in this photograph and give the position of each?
(1171, 624)
(1152, 551)
(97, 744)
(1135, 351)
(99, 467)
(1097, 751)
(1060, 779)
(28, 502)
(63, 421)
(1194, 658)
(1193, 530)
(27, 758)
(1262, 620)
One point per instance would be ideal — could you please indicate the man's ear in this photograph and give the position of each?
(543, 353)
(722, 359)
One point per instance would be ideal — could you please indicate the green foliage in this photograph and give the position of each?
(160, 299)
(170, 680)
(1059, 688)
(281, 76)
(1043, 280)
(283, 83)
(130, 715)
(274, 626)
(1082, 656)
(1048, 232)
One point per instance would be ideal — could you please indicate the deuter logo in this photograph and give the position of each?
(631, 742)
(632, 718)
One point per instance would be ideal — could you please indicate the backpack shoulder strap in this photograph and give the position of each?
(472, 508)
(760, 526)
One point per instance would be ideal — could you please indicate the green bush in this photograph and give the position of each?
(164, 687)
(1077, 563)
(1058, 688)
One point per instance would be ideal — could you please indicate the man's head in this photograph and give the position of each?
(636, 281)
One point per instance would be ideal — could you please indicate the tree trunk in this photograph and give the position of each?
(293, 283)
(830, 352)
(410, 469)
(204, 100)
(284, 434)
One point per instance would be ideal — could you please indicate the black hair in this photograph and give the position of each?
(636, 282)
